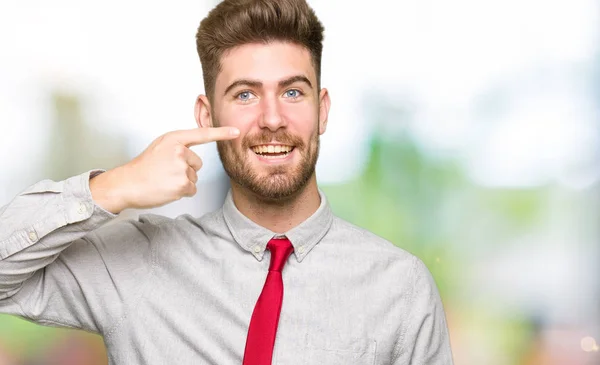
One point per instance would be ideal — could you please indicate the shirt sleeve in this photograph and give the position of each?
(425, 339)
(62, 265)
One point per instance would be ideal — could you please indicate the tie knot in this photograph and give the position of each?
(281, 249)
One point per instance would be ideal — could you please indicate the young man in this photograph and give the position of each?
(210, 290)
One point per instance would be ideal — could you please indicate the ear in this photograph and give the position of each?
(324, 104)
(202, 112)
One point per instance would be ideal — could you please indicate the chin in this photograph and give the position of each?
(278, 188)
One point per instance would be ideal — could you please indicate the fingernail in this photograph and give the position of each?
(234, 131)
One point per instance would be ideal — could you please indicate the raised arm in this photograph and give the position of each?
(60, 265)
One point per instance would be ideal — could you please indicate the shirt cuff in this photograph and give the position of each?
(47, 206)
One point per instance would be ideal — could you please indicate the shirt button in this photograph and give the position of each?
(301, 249)
(257, 249)
(82, 209)
(33, 236)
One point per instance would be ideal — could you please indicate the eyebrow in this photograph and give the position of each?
(256, 84)
(294, 79)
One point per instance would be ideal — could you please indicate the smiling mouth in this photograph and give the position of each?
(272, 151)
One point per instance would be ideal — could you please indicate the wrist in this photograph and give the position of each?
(107, 190)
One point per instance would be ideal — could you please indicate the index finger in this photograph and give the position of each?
(196, 136)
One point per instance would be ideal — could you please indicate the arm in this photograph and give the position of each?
(425, 339)
(54, 270)
(41, 222)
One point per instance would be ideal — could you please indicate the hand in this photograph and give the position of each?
(165, 172)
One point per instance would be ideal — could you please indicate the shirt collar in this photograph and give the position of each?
(254, 238)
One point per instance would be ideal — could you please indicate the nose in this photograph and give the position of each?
(272, 117)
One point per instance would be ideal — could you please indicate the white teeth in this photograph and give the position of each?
(264, 149)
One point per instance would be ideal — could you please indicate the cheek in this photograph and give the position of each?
(302, 118)
(243, 118)
(239, 116)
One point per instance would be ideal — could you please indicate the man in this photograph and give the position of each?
(271, 277)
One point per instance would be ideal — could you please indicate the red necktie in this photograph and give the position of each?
(263, 324)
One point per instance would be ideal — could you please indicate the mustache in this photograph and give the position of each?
(280, 136)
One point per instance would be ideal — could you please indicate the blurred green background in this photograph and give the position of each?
(465, 132)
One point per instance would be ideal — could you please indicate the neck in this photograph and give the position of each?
(278, 216)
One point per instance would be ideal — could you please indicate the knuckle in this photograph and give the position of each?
(180, 165)
(162, 138)
(181, 184)
(179, 151)
(189, 189)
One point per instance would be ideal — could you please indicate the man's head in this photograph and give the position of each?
(261, 65)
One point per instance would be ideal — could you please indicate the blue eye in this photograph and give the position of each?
(294, 93)
(245, 96)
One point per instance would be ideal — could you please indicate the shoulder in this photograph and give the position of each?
(359, 245)
(142, 227)
(184, 226)
(129, 227)
(364, 243)
(150, 226)
(357, 238)
(140, 236)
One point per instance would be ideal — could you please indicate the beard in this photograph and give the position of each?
(276, 183)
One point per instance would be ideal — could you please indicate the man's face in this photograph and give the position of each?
(269, 92)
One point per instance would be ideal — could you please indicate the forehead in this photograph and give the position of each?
(265, 62)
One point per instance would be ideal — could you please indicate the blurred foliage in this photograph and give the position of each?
(428, 206)
(32, 344)
(398, 197)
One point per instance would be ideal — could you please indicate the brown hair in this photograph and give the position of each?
(234, 23)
